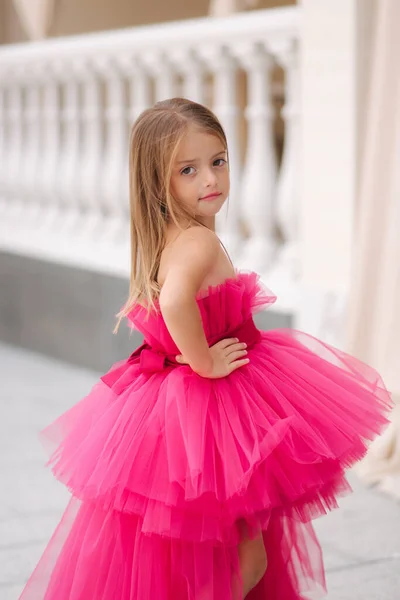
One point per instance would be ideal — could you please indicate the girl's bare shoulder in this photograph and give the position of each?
(196, 234)
(188, 260)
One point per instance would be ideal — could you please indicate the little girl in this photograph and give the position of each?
(197, 464)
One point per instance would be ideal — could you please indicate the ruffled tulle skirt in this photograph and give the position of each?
(169, 475)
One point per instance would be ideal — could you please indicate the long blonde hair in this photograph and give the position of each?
(154, 143)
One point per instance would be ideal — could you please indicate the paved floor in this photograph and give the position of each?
(361, 541)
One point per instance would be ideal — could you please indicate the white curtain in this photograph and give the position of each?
(222, 8)
(36, 16)
(375, 295)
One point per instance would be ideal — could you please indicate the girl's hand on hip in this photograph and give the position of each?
(227, 356)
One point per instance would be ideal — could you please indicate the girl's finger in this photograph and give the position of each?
(235, 348)
(238, 363)
(235, 355)
(227, 342)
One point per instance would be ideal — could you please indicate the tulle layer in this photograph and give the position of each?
(169, 471)
(105, 556)
(191, 456)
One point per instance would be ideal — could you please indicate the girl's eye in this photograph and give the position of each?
(187, 171)
(221, 162)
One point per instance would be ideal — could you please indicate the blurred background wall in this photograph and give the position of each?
(73, 17)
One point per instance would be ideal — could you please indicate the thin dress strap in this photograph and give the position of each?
(226, 252)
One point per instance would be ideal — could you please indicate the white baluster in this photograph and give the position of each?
(115, 178)
(284, 275)
(139, 89)
(13, 184)
(192, 69)
(70, 159)
(224, 66)
(48, 186)
(92, 152)
(165, 77)
(259, 177)
(32, 145)
(3, 143)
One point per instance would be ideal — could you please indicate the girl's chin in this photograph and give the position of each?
(209, 213)
(210, 206)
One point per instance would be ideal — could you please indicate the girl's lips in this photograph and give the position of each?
(211, 196)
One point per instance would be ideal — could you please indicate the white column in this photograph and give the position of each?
(14, 116)
(329, 161)
(224, 66)
(259, 177)
(70, 164)
(92, 151)
(139, 90)
(49, 178)
(32, 145)
(165, 76)
(192, 68)
(283, 277)
(3, 200)
(115, 175)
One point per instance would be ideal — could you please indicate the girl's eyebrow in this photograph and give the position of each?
(192, 160)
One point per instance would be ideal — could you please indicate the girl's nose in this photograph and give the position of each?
(210, 177)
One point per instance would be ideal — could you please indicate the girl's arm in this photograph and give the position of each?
(192, 258)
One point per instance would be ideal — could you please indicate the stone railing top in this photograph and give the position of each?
(271, 26)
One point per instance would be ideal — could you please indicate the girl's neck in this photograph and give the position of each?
(208, 222)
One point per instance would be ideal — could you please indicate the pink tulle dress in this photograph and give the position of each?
(168, 470)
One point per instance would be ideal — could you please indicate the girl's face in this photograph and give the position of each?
(200, 174)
